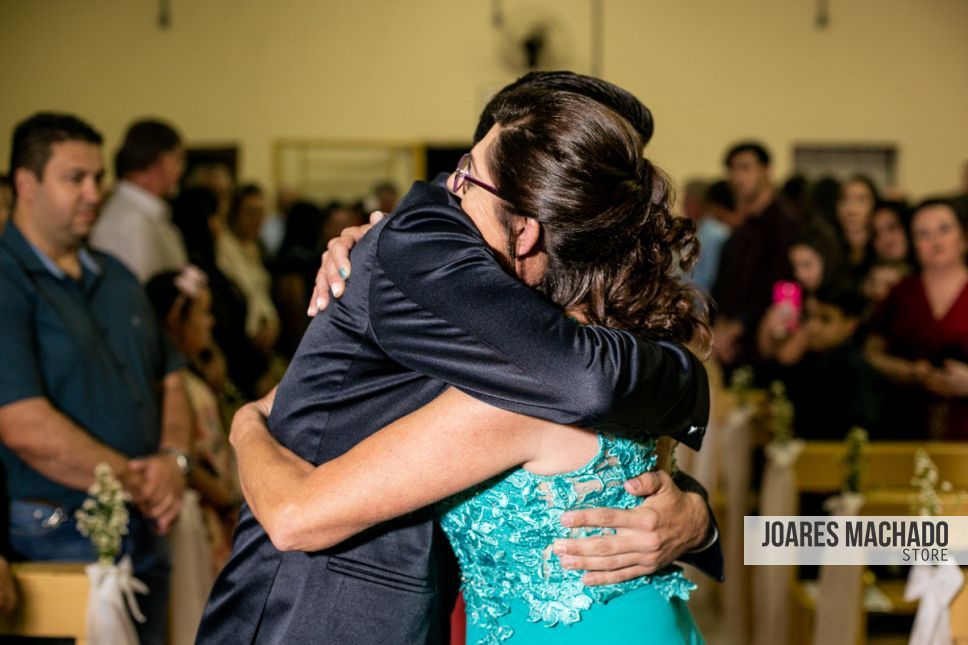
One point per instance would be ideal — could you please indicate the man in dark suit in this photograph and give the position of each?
(431, 307)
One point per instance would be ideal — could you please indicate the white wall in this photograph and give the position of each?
(251, 71)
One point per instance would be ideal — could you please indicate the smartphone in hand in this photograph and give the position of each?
(788, 296)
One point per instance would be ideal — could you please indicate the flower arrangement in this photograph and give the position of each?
(854, 460)
(103, 518)
(925, 481)
(742, 384)
(780, 413)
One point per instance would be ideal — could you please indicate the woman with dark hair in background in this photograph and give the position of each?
(855, 206)
(240, 256)
(817, 261)
(294, 270)
(891, 251)
(195, 213)
(919, 334)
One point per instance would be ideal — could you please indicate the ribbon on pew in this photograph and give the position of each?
(113, 589)
(771, 585)
(934, 587)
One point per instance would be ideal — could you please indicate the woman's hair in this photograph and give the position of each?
(613, 245)
(821, 237)
(822, 199)
(868, 183)
(901, 212)
(961, 217)
(191, 211)
(242, 193)
(304, 224)
(171, 293)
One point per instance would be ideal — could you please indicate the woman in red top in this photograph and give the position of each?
(919, 335)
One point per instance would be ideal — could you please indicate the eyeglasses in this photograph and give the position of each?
(463, 174)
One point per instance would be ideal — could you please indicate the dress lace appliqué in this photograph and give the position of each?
(502, 533)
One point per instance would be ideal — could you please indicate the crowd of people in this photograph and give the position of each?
(136, 320)
(857, 302)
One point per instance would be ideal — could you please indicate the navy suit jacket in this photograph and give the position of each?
(427, 306)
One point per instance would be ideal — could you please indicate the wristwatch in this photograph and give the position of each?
(183, 461)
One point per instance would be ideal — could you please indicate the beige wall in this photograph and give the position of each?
(251, 71)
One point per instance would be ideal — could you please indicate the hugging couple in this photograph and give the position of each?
(497, 382)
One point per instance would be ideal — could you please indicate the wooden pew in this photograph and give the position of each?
(52, 601)
(888, 491)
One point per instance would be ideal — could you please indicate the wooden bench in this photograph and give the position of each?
(52, 601)
(888, 491)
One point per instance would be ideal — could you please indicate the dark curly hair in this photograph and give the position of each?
(614, 248)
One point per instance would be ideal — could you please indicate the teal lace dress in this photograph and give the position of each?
(515, 589)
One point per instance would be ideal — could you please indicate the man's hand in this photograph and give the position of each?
(647, 538)
(161, 495)
(335, 267)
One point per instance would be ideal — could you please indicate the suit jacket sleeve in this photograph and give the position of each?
(441, 305)
(708, 558)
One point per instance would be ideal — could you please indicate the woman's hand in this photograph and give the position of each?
(949, 381)
(335, 267)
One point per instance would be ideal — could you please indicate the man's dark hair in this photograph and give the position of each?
(144, 142)
(608, 94)
(758, 150)
(34, 136)
(719, 194)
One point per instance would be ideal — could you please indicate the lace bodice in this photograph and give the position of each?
(502, 533)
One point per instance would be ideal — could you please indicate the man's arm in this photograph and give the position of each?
(431, 454)
(442, 305)
(164, 483)
(56, 447)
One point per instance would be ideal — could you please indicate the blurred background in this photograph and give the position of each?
(252, 77)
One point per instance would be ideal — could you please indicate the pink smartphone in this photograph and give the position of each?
(790, 296)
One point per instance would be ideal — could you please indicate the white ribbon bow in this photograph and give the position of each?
(129, 585)
(112, 587)
(784, 453)
(934, 587)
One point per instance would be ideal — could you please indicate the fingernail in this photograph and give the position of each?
(320, 303)
(566, 520)
(559, 548)
(567, 562)
(310, 311)
(633, 486)
(337, 290)
(344, 273)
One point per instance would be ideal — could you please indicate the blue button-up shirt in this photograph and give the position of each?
(92, 347)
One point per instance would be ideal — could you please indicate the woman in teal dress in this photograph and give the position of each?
(560, 191)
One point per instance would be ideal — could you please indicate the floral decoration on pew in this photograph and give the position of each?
(780, 412)
(855, 459)
(103, 517)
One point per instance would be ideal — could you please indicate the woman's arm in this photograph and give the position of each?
(899, 370)
(444, 447)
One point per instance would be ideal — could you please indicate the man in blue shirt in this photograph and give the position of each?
(87, 375)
